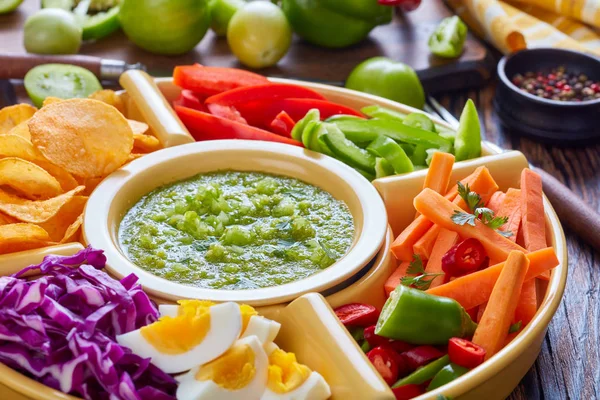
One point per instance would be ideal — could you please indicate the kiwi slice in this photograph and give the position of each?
(98, 18)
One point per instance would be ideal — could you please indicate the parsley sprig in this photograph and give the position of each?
(478, 211)
(422, 280)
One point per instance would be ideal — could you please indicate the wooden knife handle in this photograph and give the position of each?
(572, 210)
(15, 66)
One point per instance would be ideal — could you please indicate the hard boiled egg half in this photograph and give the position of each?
(239, 374)
(199, 332)
(290, 380)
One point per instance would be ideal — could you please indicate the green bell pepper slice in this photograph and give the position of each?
(420, 120)
(376, 111)
(419, 156)
(467, 143)
(424, 373)
(391, 151)
(446, 375)
(348, 152)
(362, 130)
(449, 37)
(383, 168)
(298, 129)
(416, 317)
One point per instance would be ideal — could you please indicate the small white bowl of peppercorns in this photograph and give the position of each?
(550, 94)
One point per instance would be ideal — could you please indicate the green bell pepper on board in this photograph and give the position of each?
(391, 152)
(446, 375)
(467, 143)
(416, 317)
(448, 39)
(387, 78)
(335, 23)
(424, 373)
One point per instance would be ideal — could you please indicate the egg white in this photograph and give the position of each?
(225, 328)
(192, 389)
(313, 388)
(264, 329)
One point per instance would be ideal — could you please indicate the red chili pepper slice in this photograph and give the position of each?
(407, 392)
(384, 361)
(465, 353)
(376, 340)
(464, 258)
(283, 124)
(420, 356)
(357, 314)
(204, 126)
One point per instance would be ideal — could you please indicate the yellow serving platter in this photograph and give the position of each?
(309, 326)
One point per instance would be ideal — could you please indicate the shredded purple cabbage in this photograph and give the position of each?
(60, 329)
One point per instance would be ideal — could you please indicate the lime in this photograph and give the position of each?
(59, 80)
(7, 6)
(259, 34)
(221, 12)
(52, 31)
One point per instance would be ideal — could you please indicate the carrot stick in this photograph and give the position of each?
(444, 242)
(480, 181)
(474, 289)
(424, 245)
(496, 201)
(480, 311)
(511, 208)
(440, 211)
(492, 331)
(527, 305)
(396, 277)
(533, 220)
(438, 175)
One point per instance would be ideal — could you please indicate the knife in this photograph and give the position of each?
(582, 219)
(15, 66)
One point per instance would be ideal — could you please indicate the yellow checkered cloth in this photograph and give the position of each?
(517, 24)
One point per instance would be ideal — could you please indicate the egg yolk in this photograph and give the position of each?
(233, 370)
(193, 306)
(285, 373)
(179, 334)
(247, 313)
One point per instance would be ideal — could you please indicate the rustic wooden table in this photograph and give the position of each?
(569, 365)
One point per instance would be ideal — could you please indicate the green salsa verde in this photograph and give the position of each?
(236, 230)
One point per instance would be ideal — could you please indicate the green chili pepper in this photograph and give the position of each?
(357, 332)
(311, 115)
(467, 144)
(362, 130)
(446, 375)
(383, 168)
(448, 39)
(365, 346)
(376, 111)
(348, 152)
(424, 373)
(419, 120)
(391, 151)
(416, 317)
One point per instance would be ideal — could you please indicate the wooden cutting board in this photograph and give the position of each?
(405, 39)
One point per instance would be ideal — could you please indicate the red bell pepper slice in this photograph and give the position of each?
(465, 353)
(204, 126)
(261, 113)
(464, 258)
(282, 124)
(407, 392)
(376, 340)
(226, 112)
(357, 314)
(189, 99)
(384, 361)
(268, 91)
(209, 81)
(420, 356)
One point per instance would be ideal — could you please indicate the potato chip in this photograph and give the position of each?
(57, 225)
(12, 116)
(51, 100)
(109, 97)
(5, 219)
(28, 179)
(19, 237)
(137, 127)
(16, 146)
(35, 211)
(86, 137)
(145, 144)
(90, 184)
(20, 130)
(73, 229)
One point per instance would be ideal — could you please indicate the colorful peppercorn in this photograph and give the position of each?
(559, 85)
